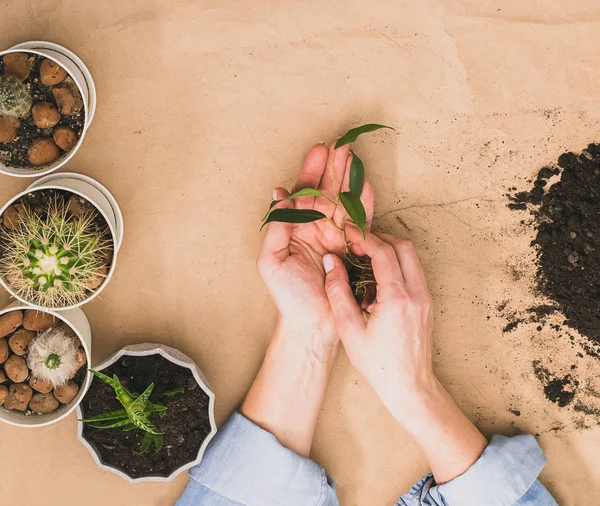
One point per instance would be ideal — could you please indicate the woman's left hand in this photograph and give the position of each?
(291, 259)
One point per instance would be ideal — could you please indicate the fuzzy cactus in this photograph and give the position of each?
(15, 99)
(52, 259)
(53, 357)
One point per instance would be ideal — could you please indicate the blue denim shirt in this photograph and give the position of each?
(246, 466)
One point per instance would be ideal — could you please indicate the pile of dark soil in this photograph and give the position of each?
(185, 425)
(567, 221)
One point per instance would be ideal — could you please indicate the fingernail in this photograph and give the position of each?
(328, 263)
(274, 193)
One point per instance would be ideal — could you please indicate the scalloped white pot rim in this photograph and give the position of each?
(167, 352)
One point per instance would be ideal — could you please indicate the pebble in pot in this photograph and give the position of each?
(18, 397)
(16, 368)
(45, 115)
(10, 322)
(17, 64)
(43, 151)
(51, 73)
(43, 403)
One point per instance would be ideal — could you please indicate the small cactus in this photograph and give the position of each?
(53, 357)
(15, 99)
(52, 259)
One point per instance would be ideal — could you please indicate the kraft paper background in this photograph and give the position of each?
(204, 106)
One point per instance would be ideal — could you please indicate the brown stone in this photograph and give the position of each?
(3, 351)
(18, 397)
(38, 320)
(43, 403)
(40, 385)
(13, 216)
(76, 206)
(10, 322)
(45, 115)
(19, 341)
(51, 73)
(16, 368)
(64, 137)
(68, 99)
(67, 392)
(9, 127)
(17, 64)
(3, 394)
(93, 282)
(43, 151)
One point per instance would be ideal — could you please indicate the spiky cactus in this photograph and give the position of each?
(52, 259)
(53, 357)
(15, 99)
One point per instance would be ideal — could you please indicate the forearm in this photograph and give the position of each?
(451, 443)
(286, 396)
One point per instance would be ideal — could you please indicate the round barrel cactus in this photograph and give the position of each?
(15, 99)
(53, 259)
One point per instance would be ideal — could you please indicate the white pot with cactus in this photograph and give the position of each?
(148, 414)
(45, 358)
(59, 241)
(47, 103)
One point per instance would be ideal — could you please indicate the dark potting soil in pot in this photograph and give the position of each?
(566, 212)
(185, 425)
(15, 153)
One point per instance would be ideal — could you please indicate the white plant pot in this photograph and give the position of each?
(179, 358)
(85, 83)
(95, 193)
(76, 319)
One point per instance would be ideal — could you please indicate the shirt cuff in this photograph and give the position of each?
(505, 471)
(247, 464)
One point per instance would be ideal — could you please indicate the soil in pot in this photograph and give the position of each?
(21, 389)
(46, 119)
(55, 248)
(185, 425)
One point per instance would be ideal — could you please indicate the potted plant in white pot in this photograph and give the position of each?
(47, 102)
(44, 362)
(148, 414)
(59, 241)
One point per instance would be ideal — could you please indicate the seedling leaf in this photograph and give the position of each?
(146, 442)
(357, 175)
(352, 134)
(306, 192)
(111, 415)
(355, 210)
(294, 216)
(172, 393)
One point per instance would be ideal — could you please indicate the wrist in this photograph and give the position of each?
(315, 341)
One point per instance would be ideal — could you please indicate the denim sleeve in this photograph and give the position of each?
(505, 475)
(246, 465)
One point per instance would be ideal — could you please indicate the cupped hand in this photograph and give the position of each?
(389, 342)
(290, 261)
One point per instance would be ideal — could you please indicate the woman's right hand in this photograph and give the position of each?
(389, 342)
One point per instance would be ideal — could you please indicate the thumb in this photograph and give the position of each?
(346, 312)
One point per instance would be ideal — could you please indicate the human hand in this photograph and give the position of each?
(290, 261)
(389, 342)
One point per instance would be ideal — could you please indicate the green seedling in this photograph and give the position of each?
(135, 414)
(359, 268)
